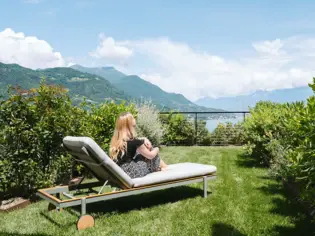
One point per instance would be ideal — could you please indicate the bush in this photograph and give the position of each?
(263, 125)
(203, 134)
(228, 134)
(149, 124)
(33, 124)
(178, 130)
(283, 137)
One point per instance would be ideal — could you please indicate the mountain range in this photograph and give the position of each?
(140, 89)
(97, 85)
(244, 102)
(80, 84)
(101, 84)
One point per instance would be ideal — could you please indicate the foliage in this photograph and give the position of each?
(228, 134)
(179, 130)
(262, 126)
(203, 134)
(149, 124)
(283, 137)
(33, 123)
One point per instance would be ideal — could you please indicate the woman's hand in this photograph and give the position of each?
(147, 143)
(143, 150)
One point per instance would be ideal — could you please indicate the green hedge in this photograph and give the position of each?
(32, 126)
(282, 136)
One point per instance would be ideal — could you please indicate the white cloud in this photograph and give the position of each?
(111, 50)
(27, 51)
(269, 47)
(179, 68)
(71, 64)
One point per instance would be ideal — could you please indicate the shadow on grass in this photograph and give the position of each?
(249, 162)
(51, 220)
(19, 234)
(290, 207)
(141, 201)
(221, 229)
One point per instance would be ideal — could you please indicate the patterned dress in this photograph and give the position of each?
(136, 165)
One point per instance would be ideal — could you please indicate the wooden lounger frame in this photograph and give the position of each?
(53, 195)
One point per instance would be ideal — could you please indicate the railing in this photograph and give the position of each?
(217, 128)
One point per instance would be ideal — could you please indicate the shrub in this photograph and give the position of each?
(203, 134)
(301, 138)
(178, 129)
(228, 134)
(262, 126)
(283, 136)
(33, 124)
(149, 124)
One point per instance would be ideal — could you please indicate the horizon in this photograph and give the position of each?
(221, 49)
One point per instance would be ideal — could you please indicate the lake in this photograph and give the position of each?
(212, 124)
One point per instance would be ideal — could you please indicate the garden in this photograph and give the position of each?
(265, 168)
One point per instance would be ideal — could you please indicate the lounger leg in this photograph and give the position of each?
(85, 221)
(204, 186)
(83, 206)
(58, 195)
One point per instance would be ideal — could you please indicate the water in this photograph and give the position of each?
(212, 124)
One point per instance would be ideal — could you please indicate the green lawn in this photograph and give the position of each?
(242, 201)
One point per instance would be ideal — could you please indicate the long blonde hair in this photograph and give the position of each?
(124, 130)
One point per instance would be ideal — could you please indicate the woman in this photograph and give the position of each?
(131, 153)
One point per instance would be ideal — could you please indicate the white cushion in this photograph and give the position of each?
(175, 172)
(103, 164)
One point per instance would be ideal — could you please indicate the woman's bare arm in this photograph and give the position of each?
(147, 153)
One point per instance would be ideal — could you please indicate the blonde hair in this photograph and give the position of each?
(124, 130)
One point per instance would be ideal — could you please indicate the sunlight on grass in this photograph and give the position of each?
(242, 201)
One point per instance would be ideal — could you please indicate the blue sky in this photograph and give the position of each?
(214, 34)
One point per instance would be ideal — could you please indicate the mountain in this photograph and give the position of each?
(140, 89)
(243, 102)
(80, 84)
(110, 73)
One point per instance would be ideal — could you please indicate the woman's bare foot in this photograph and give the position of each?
(163, 165)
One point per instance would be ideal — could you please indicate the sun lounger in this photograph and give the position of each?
(88, 153)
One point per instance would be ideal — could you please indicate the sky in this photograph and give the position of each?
(197, 48)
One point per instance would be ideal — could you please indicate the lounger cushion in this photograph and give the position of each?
(175, 172)
(88, 150)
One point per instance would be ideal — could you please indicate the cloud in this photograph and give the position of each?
(71, 64)
(177, 67)
(269, 47)
(110, 50)
(27, 51)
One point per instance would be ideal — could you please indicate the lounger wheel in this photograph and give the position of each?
(85, 221)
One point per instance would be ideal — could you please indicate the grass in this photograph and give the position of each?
(242, 201)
